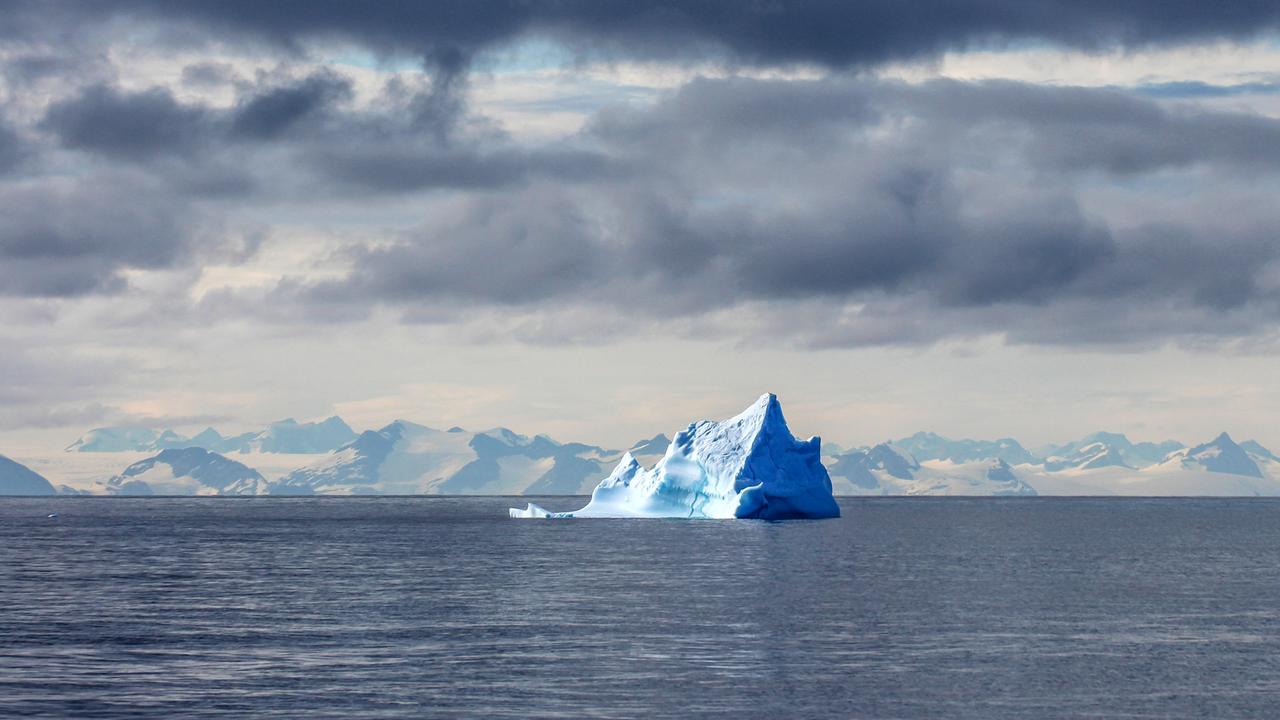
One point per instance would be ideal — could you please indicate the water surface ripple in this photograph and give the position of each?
(444, 607)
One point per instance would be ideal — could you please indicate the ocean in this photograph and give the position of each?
(444, 607)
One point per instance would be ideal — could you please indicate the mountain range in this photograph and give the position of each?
(405, 458)
(284, 436)
(1087, 467)
(408, 458)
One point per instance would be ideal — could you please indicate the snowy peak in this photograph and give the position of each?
(284, 436)
(187, 471)
(1135, 455)
(859, 466)
(114, 439)
(290, 436)
(206, 437)
(931, 446)
(1000, 471)
(656, 445)
(1088, 457)
(886, 470)
(1255, 448)
(1221, 455)
(407, 458)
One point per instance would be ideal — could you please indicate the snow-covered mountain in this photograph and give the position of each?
(1220, 455)
(115, 439)
(285, 436)
(187, 471)
(886, 470)
(18, 479)
(1093, 455)
(1136, 455)
(407, 458)
(648, 452)
(1255, 449)
(931, 446)
(291, 436)
(1219, 468)
(749, 466)
(404, 457)
(866, 469)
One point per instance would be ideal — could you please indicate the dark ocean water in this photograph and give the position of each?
(444, 607)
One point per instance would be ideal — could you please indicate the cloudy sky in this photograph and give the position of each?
(601, 220)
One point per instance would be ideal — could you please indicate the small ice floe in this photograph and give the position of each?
(536, 511)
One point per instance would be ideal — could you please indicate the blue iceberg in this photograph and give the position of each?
(749, 466)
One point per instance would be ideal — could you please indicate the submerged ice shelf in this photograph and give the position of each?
(749, 466)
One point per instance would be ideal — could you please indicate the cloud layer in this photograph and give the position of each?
(721, 170)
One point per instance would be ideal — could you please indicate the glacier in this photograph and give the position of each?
(749, 466)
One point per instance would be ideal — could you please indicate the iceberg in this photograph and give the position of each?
(749, 466)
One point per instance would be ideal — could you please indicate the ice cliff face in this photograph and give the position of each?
(749, 466)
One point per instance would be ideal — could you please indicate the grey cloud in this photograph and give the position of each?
(143, 125)
(1064, 128)
(47, 385)
(507, 249)
(268, 114)
(944, 209)
(388, 168)
(317, 146)
(14, 150)
(209, 74)
(127, 125)
(1102, 129)
(59, 240)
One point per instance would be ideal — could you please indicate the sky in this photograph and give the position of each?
(602, 220)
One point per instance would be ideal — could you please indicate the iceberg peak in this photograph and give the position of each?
(749, 466)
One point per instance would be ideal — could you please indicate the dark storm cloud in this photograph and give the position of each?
(947, 200)
(127, 125)
(267, 115)
(141, 125)
(936, 209)
(820, 31)
(318, 144)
